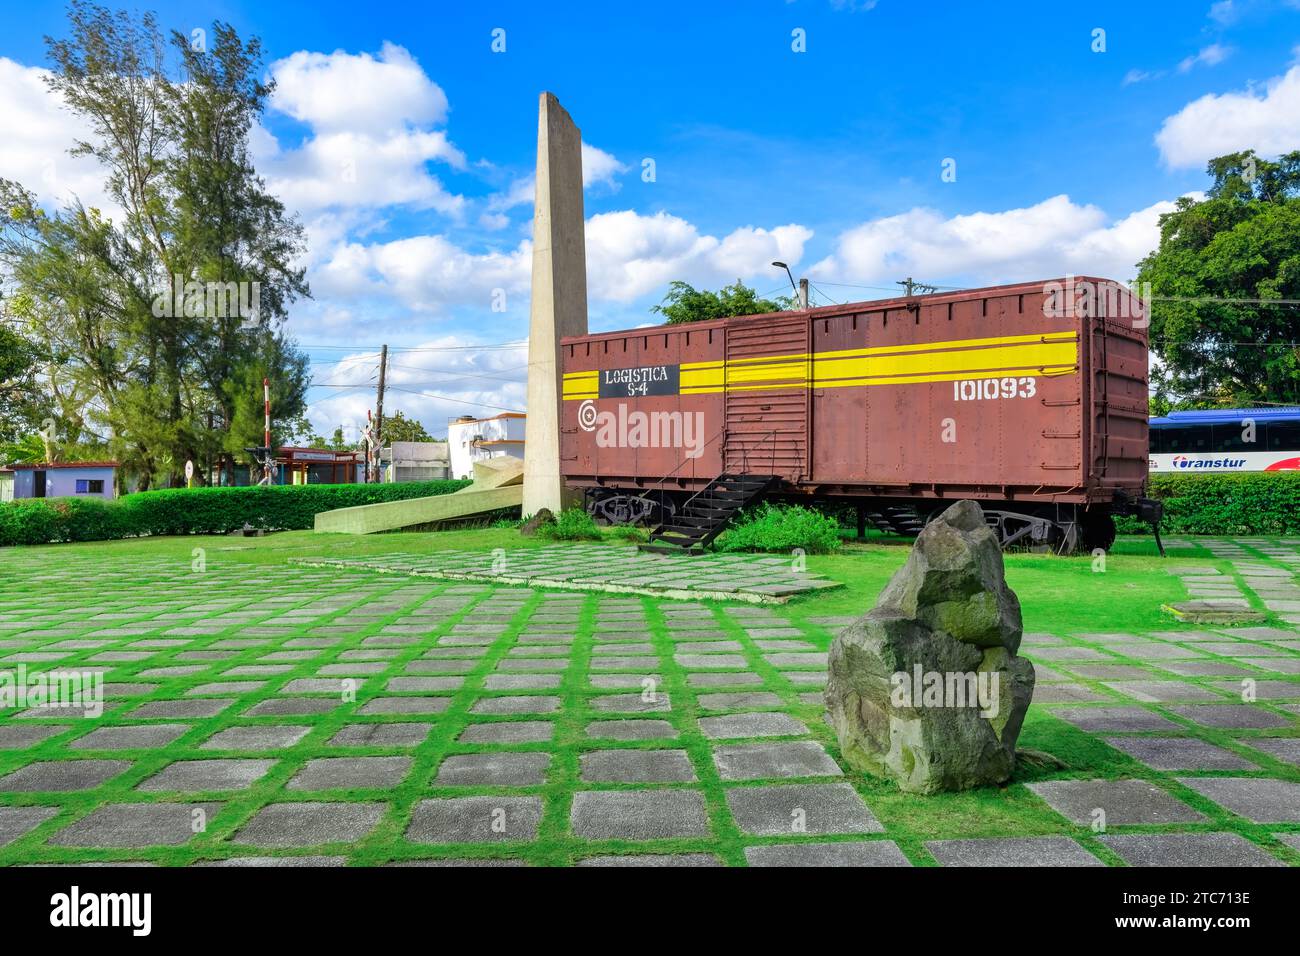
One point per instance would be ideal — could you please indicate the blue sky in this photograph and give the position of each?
(406, 146)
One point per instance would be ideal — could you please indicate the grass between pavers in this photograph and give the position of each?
(1056, 596)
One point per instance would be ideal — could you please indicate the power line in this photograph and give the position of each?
(455, 375)
(459, 373)
(493, 347)
(883, 288)
(824, 295)
(1221, 301)
(458, 401)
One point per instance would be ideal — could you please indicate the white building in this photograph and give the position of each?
(477, 439)
(416, 461)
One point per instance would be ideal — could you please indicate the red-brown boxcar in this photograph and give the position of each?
(1030, 397)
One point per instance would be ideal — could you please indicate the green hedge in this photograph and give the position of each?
(1263, 503)
(194, 510)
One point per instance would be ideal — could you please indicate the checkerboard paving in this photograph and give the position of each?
(291, 715)
(747, 577)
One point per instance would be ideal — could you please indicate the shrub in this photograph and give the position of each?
(1263, 503)
(773, 527)
(194, 510)
(628, 532)
(573, 524)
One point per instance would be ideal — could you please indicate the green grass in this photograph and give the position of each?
(1063, 596)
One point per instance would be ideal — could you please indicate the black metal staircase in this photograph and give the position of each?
(706, 514)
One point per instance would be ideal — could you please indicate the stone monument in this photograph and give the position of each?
(559, 299)
(926, 689)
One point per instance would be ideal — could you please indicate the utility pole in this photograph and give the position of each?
(908, 286)
(800, 290)
(379, 412)
(268, 458)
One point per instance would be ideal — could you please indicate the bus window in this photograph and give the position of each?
(1190, 438)
(1229, 438)
(1281, 436)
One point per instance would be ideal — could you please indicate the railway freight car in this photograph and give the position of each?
(1031, 398)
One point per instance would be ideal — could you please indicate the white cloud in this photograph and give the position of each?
(519, 193)
(39, 131)
(1140, 76)
(435, 380)
(630, 255)
(1212, 55)
(357, 92)
(1266, 120)
(1224, 12)
(343, 169)
(1051, 238)
(371, 139)
(598, 168)
(429, 274)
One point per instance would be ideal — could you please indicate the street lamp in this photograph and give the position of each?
(782, 265)
(800, 290)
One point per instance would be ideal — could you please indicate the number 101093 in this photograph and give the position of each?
(988, 389)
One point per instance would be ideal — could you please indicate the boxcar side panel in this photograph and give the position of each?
(960, 393)
(643, 406)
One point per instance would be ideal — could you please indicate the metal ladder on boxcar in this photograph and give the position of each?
(706, 514)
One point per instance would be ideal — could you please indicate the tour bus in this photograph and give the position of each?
(1226, 440)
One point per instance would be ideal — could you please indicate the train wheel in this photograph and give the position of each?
(1027, 531)
(1098, 531)
(620, 509)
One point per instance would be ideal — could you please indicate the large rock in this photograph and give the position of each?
(926, 689)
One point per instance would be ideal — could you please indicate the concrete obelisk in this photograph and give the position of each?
(559, 298)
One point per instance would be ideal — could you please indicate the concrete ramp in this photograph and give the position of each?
(495, 486)
(496, 473)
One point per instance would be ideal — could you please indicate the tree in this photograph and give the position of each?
(1220, 260)
(156, 327)
(20, 405)
(397, 427)
(685, 303)
(339, 443)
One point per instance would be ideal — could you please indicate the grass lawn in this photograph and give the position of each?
(401, 667)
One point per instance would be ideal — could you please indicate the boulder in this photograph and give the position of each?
(927, 689)
(530, 527)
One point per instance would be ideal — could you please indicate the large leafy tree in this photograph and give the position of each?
(20, 404)
(169, 123)
(1221, 262)
(685, 303)
(397, 427)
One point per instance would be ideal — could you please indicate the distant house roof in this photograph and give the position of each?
(47, 465)
(470, 420)
(319, 454)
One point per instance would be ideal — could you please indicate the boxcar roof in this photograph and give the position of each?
(850, 308)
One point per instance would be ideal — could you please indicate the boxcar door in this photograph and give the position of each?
(768, 373)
